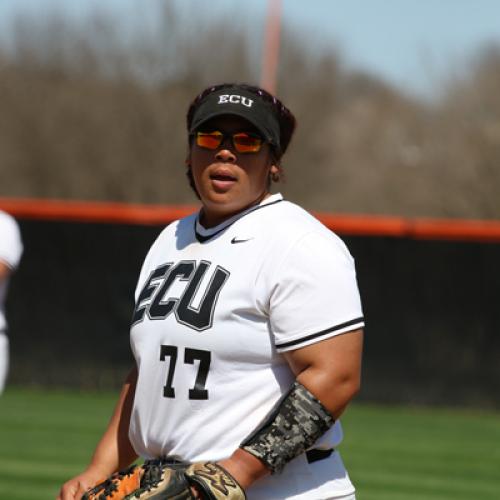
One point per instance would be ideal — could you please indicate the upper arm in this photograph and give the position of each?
(330, 369)
(337, 355)
(317, 320)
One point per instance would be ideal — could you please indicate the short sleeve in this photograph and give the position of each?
(315, 294)
(11, 247)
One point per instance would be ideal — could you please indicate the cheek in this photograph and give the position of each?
(199, 160)
(196, 157)
(259, 172)
(256, 180)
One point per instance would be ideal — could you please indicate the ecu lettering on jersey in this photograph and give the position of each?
(155, 301)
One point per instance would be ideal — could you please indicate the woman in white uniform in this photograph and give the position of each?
(247, 329)
(11, 249)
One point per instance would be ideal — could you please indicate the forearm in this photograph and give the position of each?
(297, 421)
(245, 468)
(328, 377)
(114, 451)
(5, 271)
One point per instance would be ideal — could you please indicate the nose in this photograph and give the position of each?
(225, 154)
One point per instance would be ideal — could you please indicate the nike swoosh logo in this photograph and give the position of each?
(237, 240)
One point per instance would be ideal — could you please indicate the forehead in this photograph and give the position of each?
(228, 123)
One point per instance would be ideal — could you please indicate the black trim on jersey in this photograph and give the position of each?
(202, 238)
(319, 334)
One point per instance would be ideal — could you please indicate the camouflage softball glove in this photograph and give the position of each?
(213, 482)
(159, 481)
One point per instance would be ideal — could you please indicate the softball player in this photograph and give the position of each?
(11, 249)
(247, 328)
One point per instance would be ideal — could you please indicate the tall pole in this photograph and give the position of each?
(270, 50)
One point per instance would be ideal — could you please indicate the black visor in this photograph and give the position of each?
(238, 101)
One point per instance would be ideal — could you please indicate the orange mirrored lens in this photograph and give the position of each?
(209, 140)
(247, 143)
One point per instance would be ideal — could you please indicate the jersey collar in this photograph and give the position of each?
(203, 234)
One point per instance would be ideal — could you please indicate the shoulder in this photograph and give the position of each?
(8, 223)
(291, 226)
(179, 227)
(11, 246)
(180, 231)
(176, 235)
(292, 218)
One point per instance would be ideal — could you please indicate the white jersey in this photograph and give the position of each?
(11, 249)
(215, 308)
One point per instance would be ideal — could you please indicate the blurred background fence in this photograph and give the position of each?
(93, 109)
(430, 291)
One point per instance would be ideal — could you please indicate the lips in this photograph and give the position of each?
(222, 179)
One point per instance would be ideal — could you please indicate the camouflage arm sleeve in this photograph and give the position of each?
(294, 425)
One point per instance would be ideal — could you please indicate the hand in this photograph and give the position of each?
(77, 486)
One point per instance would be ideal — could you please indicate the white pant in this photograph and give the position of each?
(4, 359)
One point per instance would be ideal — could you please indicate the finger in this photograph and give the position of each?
(82, 488)
(67, 492)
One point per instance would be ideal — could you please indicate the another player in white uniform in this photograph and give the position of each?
(247, 329)
(11, 249)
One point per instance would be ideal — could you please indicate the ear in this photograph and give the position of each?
(275, 172)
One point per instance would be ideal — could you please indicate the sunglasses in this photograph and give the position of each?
(243, 142)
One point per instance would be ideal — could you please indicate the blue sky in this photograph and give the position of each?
(410, 43)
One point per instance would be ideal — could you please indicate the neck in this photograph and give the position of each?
(213, 218)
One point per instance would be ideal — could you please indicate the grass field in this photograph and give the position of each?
(392, 453)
